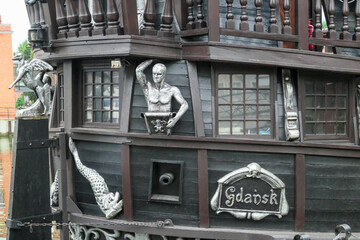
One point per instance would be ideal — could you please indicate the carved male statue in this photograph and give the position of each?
(158, 94)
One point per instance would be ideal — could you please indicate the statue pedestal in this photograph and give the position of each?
(156, 122)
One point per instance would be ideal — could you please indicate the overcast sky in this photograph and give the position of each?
(14, 12)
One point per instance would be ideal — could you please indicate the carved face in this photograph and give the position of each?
(159, 72)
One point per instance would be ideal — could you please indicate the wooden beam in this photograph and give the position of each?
(300, 188)
(203, 185)
(214, 20)
(126, 182)
(180, 10)
(128, 85)
(68, 96)
(50, 19)
(195, 97)
(129, 13)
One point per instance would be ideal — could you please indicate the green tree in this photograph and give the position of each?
(19, 102)
(25, 49)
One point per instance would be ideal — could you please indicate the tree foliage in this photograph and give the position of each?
(19, 102)
(25, 49)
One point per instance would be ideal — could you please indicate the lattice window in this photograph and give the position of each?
(326, 107)
(244, 104)
(101, 96)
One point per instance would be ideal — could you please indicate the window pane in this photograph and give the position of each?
(309, 116)
(264, 127)
(264, 112)
(237, 112)
(250, 127)
(320, 128)
(224, 112)
(250, 81)
(310, 128)
(115, 105)
(89, 77)
(106, 104)
(264, 96)
(330, 128)
(330, 101)
(320, 115)
(88, 116)
(224, 81)
(341, 88)
(264, 81)
(224, 96)
(106, 90)
(115, 76)
(115, 117)
(115, 92)
(106, 77)
(309, 101)
(237, 81)
(237, 96)
(97, 77)
(330, 88)
(309, 87)
(238, 128)
(88, 104)
(341, 102)
(341, 115)
(106, 116)
(89, 91)
(340, 128)
(97, 90)
(330, 115)
(320, 102)
(97, 116)
(97, 102)
(250, 97)
(320, 88)
(224, 128)
(250, 112)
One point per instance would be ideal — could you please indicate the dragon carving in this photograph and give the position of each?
(109, 203)
(41, 85)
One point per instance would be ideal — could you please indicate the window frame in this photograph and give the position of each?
(99, 66)
(350, 106)
(245, 69)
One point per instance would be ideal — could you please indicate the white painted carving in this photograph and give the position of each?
(109, 203)
(140, 236)
(232, 194)
(54, 191)
(41, 85)
(78, 232)
(291, 116)
(158, 95)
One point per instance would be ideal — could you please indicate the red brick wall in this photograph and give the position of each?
(7, 97)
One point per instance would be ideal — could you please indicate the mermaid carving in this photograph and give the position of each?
(109, 203)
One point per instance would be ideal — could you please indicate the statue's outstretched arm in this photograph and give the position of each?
(183, 108)
(140, 75)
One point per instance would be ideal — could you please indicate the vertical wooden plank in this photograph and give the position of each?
(126, 97)
(68, 98)
(50, 19)
(129, 9)
(126, 182)
(180, 10)
(300, 188)
(64, 232)
(214, 20)
(196, 101)
(203, 182)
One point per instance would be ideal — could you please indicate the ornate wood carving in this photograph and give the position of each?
(112, 14)
(85, 19)
(291, 116)
(244, 25)
(345, 34)
(149, 19)
(332, 34)
(357, 26)
(167, 18)
(190, 11)
(200, 15)
(61, 19)
(287, 27)
(259, 25)
(42, 18)
(72, 19)
(99, 18)
(230, 23)
(37, 13)
(318, 25)
(273, 28)
(30, 10)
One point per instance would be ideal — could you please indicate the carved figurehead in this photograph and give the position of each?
(158, 95)
(40, 85)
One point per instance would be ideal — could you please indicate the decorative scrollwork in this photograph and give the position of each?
(78, 232)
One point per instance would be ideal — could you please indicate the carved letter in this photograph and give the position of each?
(230, 197)
(239, 196)
(248, 198)
(265, 199)
(273, 198)
(257, 198)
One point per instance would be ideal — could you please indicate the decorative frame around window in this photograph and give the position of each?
(245, 104)
(326, 108)
(101, 96)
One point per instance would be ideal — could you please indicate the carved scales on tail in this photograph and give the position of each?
(109, 203)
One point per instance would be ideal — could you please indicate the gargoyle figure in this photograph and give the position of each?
(54, 191)
(109, 203)
(40, 84)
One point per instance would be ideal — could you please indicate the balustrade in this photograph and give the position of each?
(191, 22)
